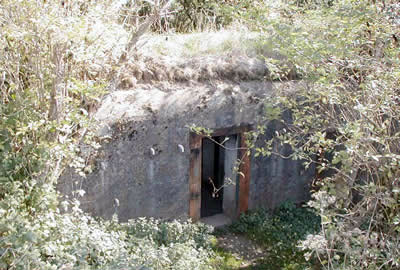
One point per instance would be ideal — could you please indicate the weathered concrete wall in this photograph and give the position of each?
(158, 118)
(276, 179)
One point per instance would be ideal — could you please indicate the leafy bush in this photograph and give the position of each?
(176, 245)
(166, 233)
(77, 241)
(280, 232)
(54, 61)
(201, 15)
(185, 16)
(345, 120)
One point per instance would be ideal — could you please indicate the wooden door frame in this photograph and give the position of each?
(195, 144)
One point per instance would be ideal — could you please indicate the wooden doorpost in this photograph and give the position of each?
(195, 142)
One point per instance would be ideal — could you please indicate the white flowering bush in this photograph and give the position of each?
(78, 241)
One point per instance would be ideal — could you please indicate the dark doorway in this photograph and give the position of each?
(208, 159)
(212, 176)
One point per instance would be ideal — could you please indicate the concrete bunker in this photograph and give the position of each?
(152, 163)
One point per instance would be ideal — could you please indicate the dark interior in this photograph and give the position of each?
(212, 167)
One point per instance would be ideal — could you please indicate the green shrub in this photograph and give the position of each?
(187, 16)
(200, 15)
(167, 233)
(347, 53)
(75, 240)
(279, 232)
(54, 60)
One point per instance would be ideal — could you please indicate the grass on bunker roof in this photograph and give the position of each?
(228, 41)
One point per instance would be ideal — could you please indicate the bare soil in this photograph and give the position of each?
(242, 248)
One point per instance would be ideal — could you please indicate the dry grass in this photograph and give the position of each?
(224, 55)
(180, 46)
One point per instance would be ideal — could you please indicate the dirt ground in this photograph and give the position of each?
(241, 247)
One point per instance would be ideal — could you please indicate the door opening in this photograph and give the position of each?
(212, 177)
(228, 191)
(219, 189)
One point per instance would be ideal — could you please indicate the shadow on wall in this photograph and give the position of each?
(277, 179)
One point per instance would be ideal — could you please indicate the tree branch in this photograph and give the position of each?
(143, 28)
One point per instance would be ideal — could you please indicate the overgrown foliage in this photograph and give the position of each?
(200, 15)
(279, 233)
(185, 16)
(55, 60)
(77, 241)
(345, 119)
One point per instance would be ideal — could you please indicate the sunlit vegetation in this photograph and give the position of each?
(58, 59)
